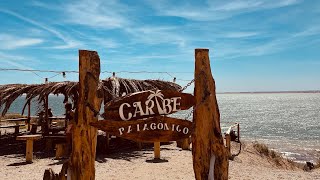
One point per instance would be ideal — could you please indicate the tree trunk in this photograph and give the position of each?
(84, 137)
(210, 157)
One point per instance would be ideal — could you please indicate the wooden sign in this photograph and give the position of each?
(155, 129)
(147, 104)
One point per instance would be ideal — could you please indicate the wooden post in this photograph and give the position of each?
(228, 143)
(16, 129)
(210, 157)
(46, 117)
(49, 143)
(29, 150)
(108, 141)
(84, 136)
(29, 115)
(61, 150)
(238, 129)
(139, 144)
(185, 144)
(156, 150)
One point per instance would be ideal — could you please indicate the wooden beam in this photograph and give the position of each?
(84, 136)
(210, 157)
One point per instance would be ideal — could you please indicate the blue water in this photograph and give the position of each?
(287, 122)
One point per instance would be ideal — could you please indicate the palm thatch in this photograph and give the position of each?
(111, 88)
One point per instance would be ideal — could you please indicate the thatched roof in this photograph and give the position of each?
(112, 88)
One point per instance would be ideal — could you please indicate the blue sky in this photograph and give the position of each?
(255, 45)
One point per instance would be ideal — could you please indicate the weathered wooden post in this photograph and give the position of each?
(210, 157)
(84, 137)
(29, 114)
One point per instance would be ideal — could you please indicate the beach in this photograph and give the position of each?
(287, 123)
(128, 164)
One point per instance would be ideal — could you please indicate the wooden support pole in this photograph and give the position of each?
(156, 150)
(84, 136)
(238, 130)
(185, 144)
(46, 117)
(228, 143)
(139, 144)
(29, 150)
(29, 115)
(108, 141)
(210, 157)
(16, 129)
(61, 150)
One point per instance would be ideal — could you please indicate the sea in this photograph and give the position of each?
(288, 123)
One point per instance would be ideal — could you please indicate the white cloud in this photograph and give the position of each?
(275, 44)
(241, 34)
(14, 42)
(5, 56)
(97, 13)
(68, 42)
(8, 60)
(152, 35)
(309, 31)
(216, 10)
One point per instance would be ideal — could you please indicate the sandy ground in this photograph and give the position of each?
(132, 165)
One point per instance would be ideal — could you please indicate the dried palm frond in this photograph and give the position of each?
(110, 88)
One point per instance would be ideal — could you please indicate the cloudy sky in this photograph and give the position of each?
(255, 45)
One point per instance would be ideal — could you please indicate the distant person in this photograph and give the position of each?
(50, 114)
(41, 120)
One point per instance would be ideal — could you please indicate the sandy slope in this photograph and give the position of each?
(133, 165)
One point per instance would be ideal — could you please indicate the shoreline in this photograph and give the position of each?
(291, 151)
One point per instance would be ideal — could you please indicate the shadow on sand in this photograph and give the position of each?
(118, 149)
(19, 163)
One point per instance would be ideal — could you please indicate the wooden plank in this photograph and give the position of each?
(17, 119)
(147, 104)
(57, 118)
(84, 136)
(28, 137)
(11, 126)
(210, 157)
(154, 129)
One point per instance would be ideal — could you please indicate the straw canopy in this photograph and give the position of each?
(111, 88)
